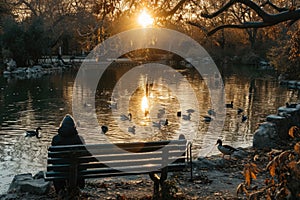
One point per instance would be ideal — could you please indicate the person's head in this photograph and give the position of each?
(68, 121)
(67, 127)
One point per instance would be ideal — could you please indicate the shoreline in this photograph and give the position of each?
(214, 177)
(211, 177)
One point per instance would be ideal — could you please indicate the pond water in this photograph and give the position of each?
(29, 103)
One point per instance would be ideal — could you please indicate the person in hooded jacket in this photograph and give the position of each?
(67, 135)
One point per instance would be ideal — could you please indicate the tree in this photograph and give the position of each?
(259, 19)
(26, 41)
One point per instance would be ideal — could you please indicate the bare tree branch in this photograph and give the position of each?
(266, 18)
(30, 7)
(171, 12)
(275, 7)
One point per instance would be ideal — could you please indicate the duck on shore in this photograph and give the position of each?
(34, 133)
(225, 149)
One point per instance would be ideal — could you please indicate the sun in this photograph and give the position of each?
(145, 19)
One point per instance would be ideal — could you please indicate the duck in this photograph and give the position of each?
(239, 111)
(104, 129)
(162, 111)
(229, 105)
(244, 118)
(190, 110)
(225, 149)
(124, 117)
(113, 105)
(131, 129)
(178, 114)
(33, 133)
(187, 117)
(156, 124)
(207, 118)
(211, 112)
(166, 122)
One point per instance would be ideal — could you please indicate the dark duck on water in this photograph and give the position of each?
(229, 105)
(33, 133)
(225, 149)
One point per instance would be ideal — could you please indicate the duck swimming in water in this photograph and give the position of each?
(187, 117)
(225, 149)
(244, 118)
(131, 129)
(166, 122)
(33, 133)
(211, 112)
(124, 117)
(229, 105)
(207, 118)
(104, 129)
(239, 111)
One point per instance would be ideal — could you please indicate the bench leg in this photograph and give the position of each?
(155, 178)
(158, 181)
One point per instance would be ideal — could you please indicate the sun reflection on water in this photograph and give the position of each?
(145, 105)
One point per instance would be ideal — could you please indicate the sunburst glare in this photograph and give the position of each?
(145, 19)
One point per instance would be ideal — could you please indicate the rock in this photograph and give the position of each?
(282, 125)
(240, 154)
(204, 163)
(265, 136)
(288, 110)
(283, 82)
(39, 175)
(26, 183)
(8, 196)
(292, 84)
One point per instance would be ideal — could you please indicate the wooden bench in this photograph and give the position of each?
(107, 160)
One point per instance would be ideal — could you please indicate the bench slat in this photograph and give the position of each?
(113, 164)
(88, 152)
(135, 145)
(107, 158)
(107, 172)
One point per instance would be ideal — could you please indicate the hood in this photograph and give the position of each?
(67, 131)
(67, 127)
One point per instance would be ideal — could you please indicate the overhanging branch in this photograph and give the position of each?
(171, 12)
(285, 15)
(265, 16)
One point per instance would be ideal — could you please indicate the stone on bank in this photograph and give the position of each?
(27, 183)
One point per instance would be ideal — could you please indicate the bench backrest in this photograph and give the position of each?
(104, 160)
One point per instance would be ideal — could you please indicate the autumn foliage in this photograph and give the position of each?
(283, 181)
